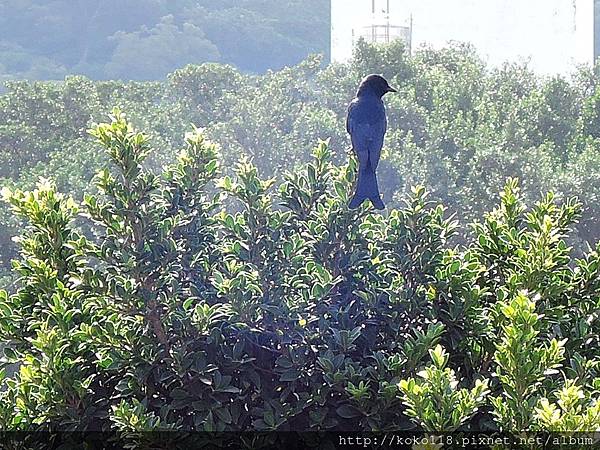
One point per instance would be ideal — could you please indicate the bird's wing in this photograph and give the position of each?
(350, 116)
(366, 124)
(379, 132)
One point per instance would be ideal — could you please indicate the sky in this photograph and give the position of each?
(553, 35)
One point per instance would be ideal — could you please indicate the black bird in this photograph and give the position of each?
(366, 123)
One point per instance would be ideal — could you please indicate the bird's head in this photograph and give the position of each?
(374, 84)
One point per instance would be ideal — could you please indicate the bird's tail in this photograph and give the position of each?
(367, 188)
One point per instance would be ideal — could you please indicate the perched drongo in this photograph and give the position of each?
(366, 123)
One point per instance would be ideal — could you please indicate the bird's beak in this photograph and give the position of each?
(391, 89)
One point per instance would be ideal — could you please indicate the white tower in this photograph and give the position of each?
(383, 27)
(376, 21)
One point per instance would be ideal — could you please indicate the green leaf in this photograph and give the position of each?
(348, 412)
(289, 375)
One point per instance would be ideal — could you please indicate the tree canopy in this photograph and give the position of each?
(145, 40)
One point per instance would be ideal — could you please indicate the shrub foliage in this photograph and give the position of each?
(148, 305)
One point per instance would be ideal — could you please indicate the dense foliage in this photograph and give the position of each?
(294, 313)
(146, 39)
(456, 127)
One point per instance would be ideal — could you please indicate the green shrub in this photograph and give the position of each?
(293, 313)
(435, 402)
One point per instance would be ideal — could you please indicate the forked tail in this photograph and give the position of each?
(366, 188)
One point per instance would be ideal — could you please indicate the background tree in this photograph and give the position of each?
(48, 39)
(151, 53)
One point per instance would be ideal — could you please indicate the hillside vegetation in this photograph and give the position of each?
(147, 39)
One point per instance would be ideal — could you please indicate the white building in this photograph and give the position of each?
(553, 35)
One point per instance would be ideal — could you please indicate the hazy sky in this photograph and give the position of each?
(552, 34)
